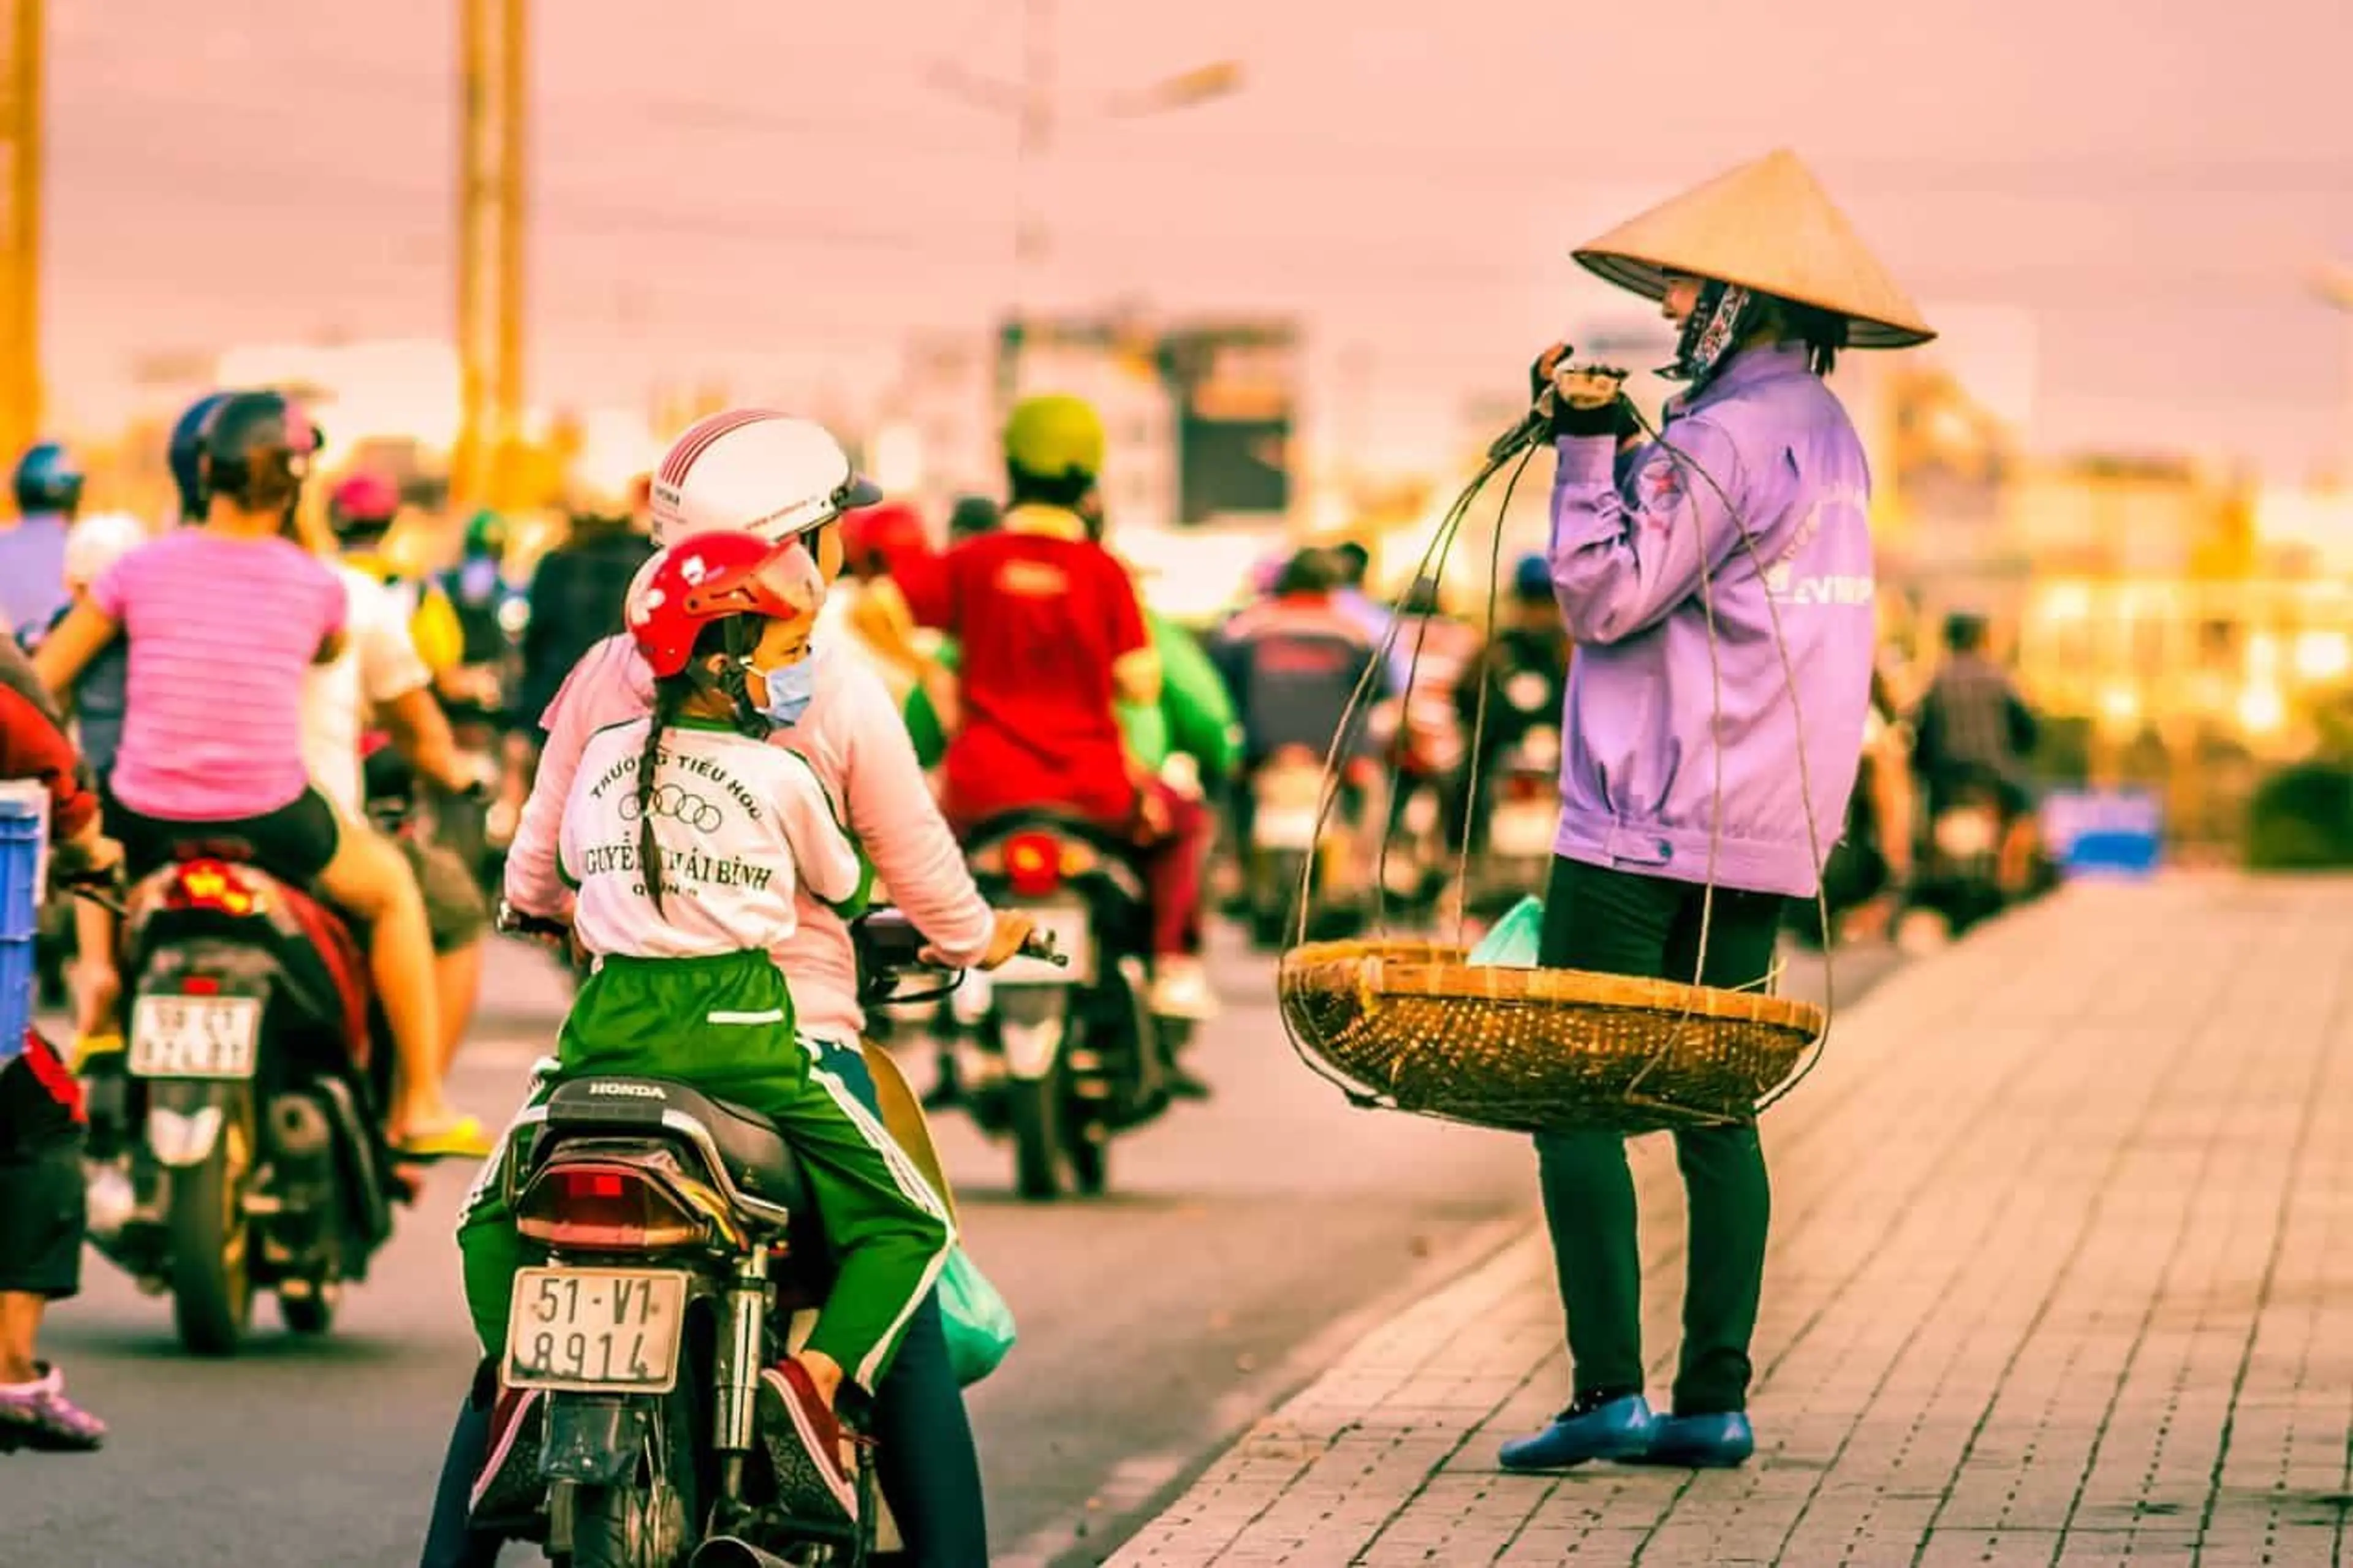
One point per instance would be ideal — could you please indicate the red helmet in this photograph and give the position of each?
(877, 539)
(709, 577)
(365, 499)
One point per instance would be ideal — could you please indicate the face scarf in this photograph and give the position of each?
(1718, 322)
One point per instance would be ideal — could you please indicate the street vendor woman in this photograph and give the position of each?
(1717, 582)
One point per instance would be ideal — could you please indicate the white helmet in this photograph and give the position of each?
(754, 471)
(97, 542)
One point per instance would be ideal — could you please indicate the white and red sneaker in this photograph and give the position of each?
(807, 1445)
(510, 1486)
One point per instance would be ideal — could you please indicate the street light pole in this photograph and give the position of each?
(1036, 105)
(2333, 282)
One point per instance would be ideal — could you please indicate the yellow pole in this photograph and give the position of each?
(466, 458)
(513, 185)
(20, 232)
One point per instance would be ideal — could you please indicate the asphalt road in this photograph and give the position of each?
(1246, 1242)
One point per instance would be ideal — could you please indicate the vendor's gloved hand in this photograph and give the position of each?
(1590, 401)
(1540, 369)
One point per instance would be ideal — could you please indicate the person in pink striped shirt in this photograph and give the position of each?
(223, 621)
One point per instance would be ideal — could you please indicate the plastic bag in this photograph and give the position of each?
(979, 1324)
(1514, 941)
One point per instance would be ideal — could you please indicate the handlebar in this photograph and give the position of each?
(1040, 945)
(103, 889)
(519, 923)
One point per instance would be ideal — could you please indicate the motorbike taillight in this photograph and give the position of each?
(1033, 864)
(601, 1207)
(213, 885)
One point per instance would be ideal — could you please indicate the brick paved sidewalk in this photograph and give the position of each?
(2062, 1273)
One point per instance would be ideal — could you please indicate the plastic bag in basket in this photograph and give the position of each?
(1514, 942)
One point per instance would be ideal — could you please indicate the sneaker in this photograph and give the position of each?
(510, 1487)
(1181, 989)
(1723, 1441)
(804, 1442)
(38, 1416)
(1619, 1430)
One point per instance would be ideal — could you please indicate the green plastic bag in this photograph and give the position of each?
(979, 1324)
(1516, 939)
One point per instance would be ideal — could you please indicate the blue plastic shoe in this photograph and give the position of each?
(1619, 1430)
(1721, 1442)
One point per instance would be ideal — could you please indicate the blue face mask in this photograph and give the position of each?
(790, 690)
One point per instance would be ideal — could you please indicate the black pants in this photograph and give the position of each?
(41, 1211)
(1619, 922)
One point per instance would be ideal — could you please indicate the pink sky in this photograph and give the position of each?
(770, 191)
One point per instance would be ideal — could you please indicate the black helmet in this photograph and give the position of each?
(186, 452)
(256, 450)
(973, 516)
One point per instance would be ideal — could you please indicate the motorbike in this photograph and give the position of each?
(236, 1143)
(1957, 884)
(1061, 1058)
(1522, 814)
(682, 1256)
(1289, 848)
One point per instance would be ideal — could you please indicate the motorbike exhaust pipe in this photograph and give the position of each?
(727, 1552)
(303, 1141)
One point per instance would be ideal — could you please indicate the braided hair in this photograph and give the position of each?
(730, 638)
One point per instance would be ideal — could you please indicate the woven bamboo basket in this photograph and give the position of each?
(1528, 1050)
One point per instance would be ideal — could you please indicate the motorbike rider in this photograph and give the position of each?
(682, 921)
(1294, 663)
(1974, 727)
(1439, 651)
(481, 601)
(1864, 879)
(42, 1122)
(573, 602)
(867, 602)
(763, 472)
(1188, 739)
(361, 511)
(380, 675)
(1051, 639)
(47, 492)
(1520, 679)
(222, 621)
(97, 704)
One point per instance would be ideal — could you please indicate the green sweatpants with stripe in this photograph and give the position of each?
(725, 1025)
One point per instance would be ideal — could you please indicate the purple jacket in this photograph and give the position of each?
(1654, 736)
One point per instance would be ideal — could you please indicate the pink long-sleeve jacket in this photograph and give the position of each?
(853, 736)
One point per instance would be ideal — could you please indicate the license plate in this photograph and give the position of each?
(1074, 933)
(1522, 830)
(1285, 829)
(595, 1331)
(1965, 835)
(195, 1037)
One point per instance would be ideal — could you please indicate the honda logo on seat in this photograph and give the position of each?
(634, 1090)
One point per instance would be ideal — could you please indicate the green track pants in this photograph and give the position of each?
(725, 1025)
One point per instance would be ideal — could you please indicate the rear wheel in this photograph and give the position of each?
(650, 1524)
(211, 1241)
(1034, 1111)
(1090, 1162)
(311, 1313)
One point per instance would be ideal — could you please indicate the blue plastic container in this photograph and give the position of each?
(21, 827)
(2111, 833)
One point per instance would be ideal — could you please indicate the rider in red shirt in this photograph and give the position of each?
(1051, 639)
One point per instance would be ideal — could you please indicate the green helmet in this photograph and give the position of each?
(486, 534)
(1055, 436)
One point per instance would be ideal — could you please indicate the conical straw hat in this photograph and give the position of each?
(1768, 225)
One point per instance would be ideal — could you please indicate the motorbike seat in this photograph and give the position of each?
(753, 1151)
(1110, 841)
